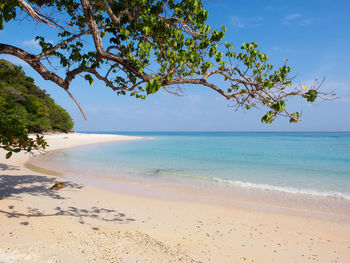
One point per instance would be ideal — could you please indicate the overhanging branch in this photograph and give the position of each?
(35, 63)
(35, 15)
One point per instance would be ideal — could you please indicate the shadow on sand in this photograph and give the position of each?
(12, 186)
(5, 167)
(107, 215)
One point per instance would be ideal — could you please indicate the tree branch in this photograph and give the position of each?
(35, 63)
(77, 103)
(62, 44)
(98, 43)
(35, 15)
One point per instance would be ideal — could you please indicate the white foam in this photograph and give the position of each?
(291, 190)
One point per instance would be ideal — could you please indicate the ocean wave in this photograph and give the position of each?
(266, 187)
(290, 190)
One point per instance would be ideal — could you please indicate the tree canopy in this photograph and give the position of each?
(137, 47)
(25, 108)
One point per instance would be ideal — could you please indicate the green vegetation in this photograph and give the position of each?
(25, 108)
(138, 47)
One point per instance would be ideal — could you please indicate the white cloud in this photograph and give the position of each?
(292, 17)
(31, 43)
(306, 22)
(241, 22)
(297, 18)
(236, 21)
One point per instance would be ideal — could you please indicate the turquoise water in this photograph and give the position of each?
(307, 163)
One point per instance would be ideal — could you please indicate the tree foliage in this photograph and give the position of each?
(138, 47)
(24, 108)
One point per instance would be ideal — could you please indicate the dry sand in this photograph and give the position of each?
(82, 223)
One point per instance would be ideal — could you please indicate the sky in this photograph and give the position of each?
(314, 35)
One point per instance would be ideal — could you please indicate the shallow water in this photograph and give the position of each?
(305, 163)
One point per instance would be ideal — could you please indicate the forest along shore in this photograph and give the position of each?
(81, 223)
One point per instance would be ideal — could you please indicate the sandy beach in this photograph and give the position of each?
(86, 223)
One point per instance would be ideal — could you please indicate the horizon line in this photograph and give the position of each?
(228, 131)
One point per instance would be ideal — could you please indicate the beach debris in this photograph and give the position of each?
(57, 186)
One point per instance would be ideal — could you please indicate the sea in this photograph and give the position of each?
(303, 163)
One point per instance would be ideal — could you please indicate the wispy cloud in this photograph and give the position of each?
(306, 22)
(236, 21)
(31, 43)
(241, 22)
(292, 17)
(297, 18)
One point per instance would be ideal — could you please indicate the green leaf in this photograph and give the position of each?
(146, 30)
(295, 117)
(8, 155)
(311, 95)
(124, 32)
(152, 86)
(268, 117)
(278, 106)
(17, 150)
(7, 148)
(89, 78)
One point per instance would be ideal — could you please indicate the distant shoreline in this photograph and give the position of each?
(59, 141)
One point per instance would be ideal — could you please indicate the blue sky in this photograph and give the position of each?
(313, 34)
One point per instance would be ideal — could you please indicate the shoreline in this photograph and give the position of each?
(211, 192)
(185, 193)
(60, 141)
(84, 223)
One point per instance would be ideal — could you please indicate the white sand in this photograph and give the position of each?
(67, 140)
(81, 223)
